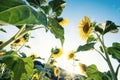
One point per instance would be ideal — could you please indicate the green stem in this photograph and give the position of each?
(45, 66)
(107, 58)
(12, 39)
(21, 47)
(100, 54)
(73, 65)
(117, 69)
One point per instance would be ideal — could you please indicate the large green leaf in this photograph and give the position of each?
(85, 47)
(108, 26)
(46, 9)
(57, 6)
(93, 73)
(37, 3)
(56, 29)
(21, 67)
(20, 14)
(115, 51)
(7, 4)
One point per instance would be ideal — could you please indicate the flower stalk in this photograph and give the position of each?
(13, 38)
(114, 77)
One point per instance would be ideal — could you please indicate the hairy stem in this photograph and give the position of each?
(107, 57)
(13, 38)
(100, 54)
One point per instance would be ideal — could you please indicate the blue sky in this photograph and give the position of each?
(96, 10)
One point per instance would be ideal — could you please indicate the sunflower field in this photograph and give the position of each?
(30, 15)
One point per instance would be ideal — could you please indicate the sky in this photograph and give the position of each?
(98, 11)
(75, 10)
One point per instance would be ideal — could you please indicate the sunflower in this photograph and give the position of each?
(56, 53)
(71, 55)
(52, 62)
(83, 69)
(35, 76)
(2, 53)
(56, 71)
(85, 28)
(33, 56)
(19, 42)
(63, 22)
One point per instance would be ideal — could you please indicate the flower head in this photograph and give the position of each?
(56, 71)
(33, 56)
(83, 68)
(71, 55)
(63, 22)
(52, 62)
(56, 53)
(2, 53)
(19, 42)
(85, 28)
(35, 76)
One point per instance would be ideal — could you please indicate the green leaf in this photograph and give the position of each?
(23, 55)
(93, 73)
(57, 6)
(27, 46)
(21, 67)
(116, 44)
(115, 51)
(106, 27)
(11, 52)
(91, 38)
(46, 9)
(98, 29)
(110, 26)
(56, 29)
(36, 3)
(12, 3)
(107, 76)
(20, 14)
(86, 47)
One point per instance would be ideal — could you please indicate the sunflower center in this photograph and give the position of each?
(86, 28)
(17, 41)
(71, 55)
(56, 51)
(57, 71)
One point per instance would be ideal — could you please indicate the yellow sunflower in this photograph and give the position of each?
(1, 42)
(56, 53)
(71, 55)
(33, 56)
(63, 22)
(83, 69)
(56, 71)
(85, 28)
(19, 42)
(52, 62)
(35, 76)
(2, 53)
